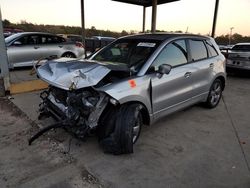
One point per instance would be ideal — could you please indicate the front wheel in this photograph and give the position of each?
(214, 95)
(126, 132)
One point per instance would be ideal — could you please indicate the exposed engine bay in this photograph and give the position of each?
(75, 101)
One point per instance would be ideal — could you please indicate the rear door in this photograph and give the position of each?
(204, 60)
(173, 91)
(54, 45)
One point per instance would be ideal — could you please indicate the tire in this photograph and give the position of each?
(215, 94)
(107, 123)
(69, 55)
(127, 127)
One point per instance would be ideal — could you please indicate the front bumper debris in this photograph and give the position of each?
(77, 112)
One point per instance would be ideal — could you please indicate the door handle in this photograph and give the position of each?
(187, 74)
(60, 46)
(36, 47)
(211, 65)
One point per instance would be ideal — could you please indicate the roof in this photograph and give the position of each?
(243, 43)
(160, 36)
(44, 33)
(145, 3)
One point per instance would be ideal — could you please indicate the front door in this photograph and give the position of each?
(174, 90)
(24, 51)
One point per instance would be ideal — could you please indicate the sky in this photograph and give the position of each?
(196, 16)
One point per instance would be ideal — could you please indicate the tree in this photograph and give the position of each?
(124, 33)
(6, 23)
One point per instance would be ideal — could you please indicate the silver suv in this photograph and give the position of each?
(134, 81)
(25, 48)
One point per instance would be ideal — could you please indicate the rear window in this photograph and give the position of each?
(211, 49)
(198, 50)
(245, 48)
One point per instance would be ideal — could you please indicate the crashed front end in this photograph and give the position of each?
(71, 98)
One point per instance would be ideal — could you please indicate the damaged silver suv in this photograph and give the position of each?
(134, 81)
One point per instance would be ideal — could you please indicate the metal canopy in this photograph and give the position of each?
(145, 3)
(148, 3)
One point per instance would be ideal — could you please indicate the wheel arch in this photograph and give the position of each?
(144, 111)
(68, 52)
(223, 81)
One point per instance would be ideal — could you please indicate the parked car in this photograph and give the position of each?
(10, 31)
(239, 57)
(133, 81)
(104, 38)
(224, 49)
(71, 37)
(7, 34)
(26, 47)
(91, 44)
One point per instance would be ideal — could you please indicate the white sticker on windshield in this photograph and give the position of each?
(146, 44)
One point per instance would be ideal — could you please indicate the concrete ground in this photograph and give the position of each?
(193, 148)
(22, 74)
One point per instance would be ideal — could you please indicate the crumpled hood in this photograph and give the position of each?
(73, 74)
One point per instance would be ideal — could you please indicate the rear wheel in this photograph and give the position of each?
(69, 55)
(215, 94)
(127, 128)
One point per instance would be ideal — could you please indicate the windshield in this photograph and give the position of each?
(245, 48)
(132, 52)
(11, 37)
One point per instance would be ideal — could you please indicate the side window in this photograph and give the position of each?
(61, 39)
(198, 50)
(53, 40)
(173, 54)
(33, 39)
(21, 41)
(27, 40)
(43, 39)
(211, 49)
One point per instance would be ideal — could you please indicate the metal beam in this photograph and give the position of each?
(4, 68)
(215, 17)
(154, 12)
(145, 3)
(83, 25)
(144, 19)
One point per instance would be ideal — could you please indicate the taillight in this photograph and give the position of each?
(79, 45)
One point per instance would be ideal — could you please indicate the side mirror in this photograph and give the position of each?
(164, 69)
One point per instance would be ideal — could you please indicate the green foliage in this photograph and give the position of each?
(235, 38)
(61, 29)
